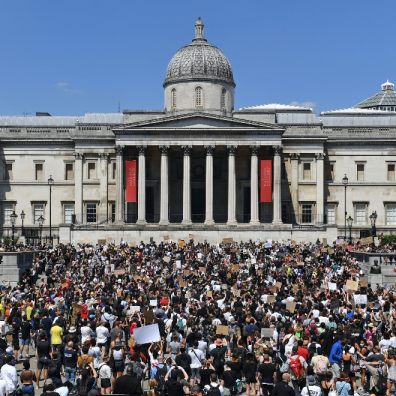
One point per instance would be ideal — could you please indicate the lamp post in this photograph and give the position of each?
(13, 217)
(373, 219)
(41, 222)
(22, 219)
(345, 183)
(350, 221)
(50, 183)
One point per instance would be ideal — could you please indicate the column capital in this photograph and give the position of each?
(319, 156)
(103, 156)
(119, 150)
(186, 150)
(78, 156)
(164, 149)
(141, 150)
(294, 156)
(232, 150)
(209, 150)
(254, 150)
(277, 150)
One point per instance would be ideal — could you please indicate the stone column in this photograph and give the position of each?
(319, 188)
(231, 186)
(209, 186)
(164, 205)
(119, 215)
(78, 188)
(103, 180)
(142, 186)
(254, 205)
(294, 159)
(186, 186)
(277, 195)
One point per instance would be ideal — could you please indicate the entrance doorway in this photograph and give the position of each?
(198, 204)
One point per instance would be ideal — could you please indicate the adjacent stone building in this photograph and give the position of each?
(200, 168)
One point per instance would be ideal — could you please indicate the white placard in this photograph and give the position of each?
(178, 264)
(332, 286)
(147, 334)
(153, 303)
(133, 309)
(360, 299)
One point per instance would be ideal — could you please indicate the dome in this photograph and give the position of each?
(383, 100)
(199, 61)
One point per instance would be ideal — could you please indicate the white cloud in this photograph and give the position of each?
(66, 88)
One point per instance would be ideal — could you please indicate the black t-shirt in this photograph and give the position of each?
(229, 378)
(266, 371)
(127, 385)
(70, 357)
(25, 329)
(43, 348)
(174, 388)
(283, 389)
(205, 375)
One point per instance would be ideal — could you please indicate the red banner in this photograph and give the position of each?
(266, 181)
(130, 181)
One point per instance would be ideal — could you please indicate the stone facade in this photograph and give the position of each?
(198, 165)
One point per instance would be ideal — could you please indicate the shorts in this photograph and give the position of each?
(119, 366)
(195, 373)
(25, 342)
(105, 383)
(42, 362)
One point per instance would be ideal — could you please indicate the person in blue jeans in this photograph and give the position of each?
(70, 362)
(335, 357)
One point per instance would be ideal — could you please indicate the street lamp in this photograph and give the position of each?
(350, 221)
(373, 219)
(50, 183)
(345, 183)
(41, 222)
(22, 219)
(13, 217)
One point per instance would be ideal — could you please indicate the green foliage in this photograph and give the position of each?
(387, 239)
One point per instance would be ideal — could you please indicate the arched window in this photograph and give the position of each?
(223, 99)
(173, 98)
(198, 97)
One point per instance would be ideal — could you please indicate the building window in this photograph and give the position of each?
(91, 212)
(68, 213)
(330, 214)
(223, 99)
(306, 213)
(173, 95)
(360, 213)
(307, 171)
(91, 170)
(113, 211)
(390, 214)
(8, 171)
(69, 171)
(114, 170)
(38, 210)
(8, 208)
(359, 172)
(391, 172)
(198, 97)
(39, 171)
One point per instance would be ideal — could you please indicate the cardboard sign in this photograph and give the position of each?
(222, 330)
(291, 306)
(278, 285)
(235, 268)
(324, 241)
(101, 241)
(267, 332)
(202, 270)
(181, 243)
(209, 294)
(259, 272)
(147, 334)
(366, 241)
(120, 271)
(295, 288)
(183, 283)
(228, 240)
(186, 272)
(352, 285)
(363, 282)
(167, 259)
(271, 299)
(236, 292)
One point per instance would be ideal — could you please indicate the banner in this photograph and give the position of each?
(130, 181)
(266, 181)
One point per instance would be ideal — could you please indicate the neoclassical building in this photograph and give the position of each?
(199, 168)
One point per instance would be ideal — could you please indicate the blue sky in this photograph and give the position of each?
(77, 56)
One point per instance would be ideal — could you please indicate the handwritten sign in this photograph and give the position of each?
(352, 285)
(222, 330)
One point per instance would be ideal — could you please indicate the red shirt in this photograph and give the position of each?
(303, 352)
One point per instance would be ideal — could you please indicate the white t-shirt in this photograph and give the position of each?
(9, 375)
(102, 333)
(3, 387)
(86, 333)
(196, 357)
(62, 390)
(314, 390)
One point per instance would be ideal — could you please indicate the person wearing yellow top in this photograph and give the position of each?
(56, 336)
(28, 311)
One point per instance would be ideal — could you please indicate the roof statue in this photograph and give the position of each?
(200, 61)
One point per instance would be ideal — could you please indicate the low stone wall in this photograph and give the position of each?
(14, 264)
(69, 234)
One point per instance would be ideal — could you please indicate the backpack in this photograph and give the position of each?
(321, 365)
(296, 367)
(213, 391)
(160, 379)
(138, 370)
(180, 324)
(284, 368)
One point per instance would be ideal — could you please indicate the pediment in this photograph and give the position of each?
(198, 121)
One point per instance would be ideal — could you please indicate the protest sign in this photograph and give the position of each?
(360, 299)
(228, 240)
(236, 292)
(178, 264)
(119, 271)
(147, 334)
(209, 294)
(167, 259)
(363, 282)
(222, 330)
(133, 309)
(153, 303)
(352, 285)
(278, 285)
(332, 286)
(267, 332)
(101, 241)
(181, 243)
(291, 306)
(271, 299)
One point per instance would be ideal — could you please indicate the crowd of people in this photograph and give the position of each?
(259, 318)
